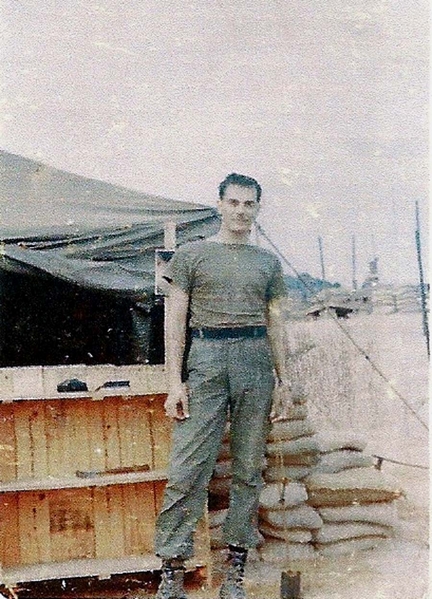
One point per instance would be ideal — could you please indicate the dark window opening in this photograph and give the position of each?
(46, 321)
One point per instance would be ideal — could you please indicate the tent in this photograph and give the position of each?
(75, 251)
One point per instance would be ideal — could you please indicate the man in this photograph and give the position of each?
(230, 289)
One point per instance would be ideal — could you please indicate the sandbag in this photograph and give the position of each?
(301, 459)
(357, 485)
(343, 459)
(302, 516)
(274, 474)
(375, 513)
(290, 429)
(295, 447)
(334, 440)
(350, 546)
(339, 531)
(216, 517)
(291, 535)
(281, 552)
(297, 411)
(279, 497)
(216, 538)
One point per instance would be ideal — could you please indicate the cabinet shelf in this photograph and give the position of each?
(104, 480)
(82, 568)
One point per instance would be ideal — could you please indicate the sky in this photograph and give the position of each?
(325, 103)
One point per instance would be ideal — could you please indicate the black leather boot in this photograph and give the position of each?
(172, 581)
(232, 585)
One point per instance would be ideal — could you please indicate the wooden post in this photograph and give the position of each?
(169, 244)
(290, 585)
(421, 276)
(170, 235)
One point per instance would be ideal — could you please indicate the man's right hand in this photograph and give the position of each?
(177, 402)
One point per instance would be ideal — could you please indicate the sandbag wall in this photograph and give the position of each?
(353, 498)
(323, 495)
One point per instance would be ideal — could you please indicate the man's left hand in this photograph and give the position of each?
(282, 402)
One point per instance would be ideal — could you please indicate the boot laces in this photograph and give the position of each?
(171, 585)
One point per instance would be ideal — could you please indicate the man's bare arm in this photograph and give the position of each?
(282, 394)
(176, 405)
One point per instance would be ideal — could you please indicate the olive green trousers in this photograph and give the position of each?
(226, 378)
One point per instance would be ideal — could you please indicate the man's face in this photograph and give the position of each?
(238, 208)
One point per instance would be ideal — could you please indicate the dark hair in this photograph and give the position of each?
(243, 181)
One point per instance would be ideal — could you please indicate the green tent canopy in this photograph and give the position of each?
(88, 232)
(77, 266)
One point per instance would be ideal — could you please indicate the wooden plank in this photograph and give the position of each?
(116, 508)
(38, 440)
(70, 436)
(108, 521)
(27, 382)
(6, 384)
(80, 568)
(8, 453)
(146, 516)
(160, 432)
(141, 433)
(139, 518)
(74, 482)
(130, 520)
(34, 530)
(9, 530)
(126, 427)
(23, 441)
(81, 432)
(111, 433)
(103, 548)
(41, 383)
(71, 524)
(96, 435)
(55, 430)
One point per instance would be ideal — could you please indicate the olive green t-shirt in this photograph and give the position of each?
(228, 284)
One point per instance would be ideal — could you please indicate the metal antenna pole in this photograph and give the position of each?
(354, 263)
(421, 276)
(321, 251)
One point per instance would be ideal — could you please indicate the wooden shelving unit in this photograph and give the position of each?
(56, 524)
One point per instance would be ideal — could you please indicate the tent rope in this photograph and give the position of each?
(345, 332)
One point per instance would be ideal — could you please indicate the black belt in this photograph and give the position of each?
(230, 332)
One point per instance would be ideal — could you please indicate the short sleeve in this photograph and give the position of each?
(179, 271)
(276, 287)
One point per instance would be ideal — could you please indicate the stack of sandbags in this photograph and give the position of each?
(356, 508)
(341, 451)
(291, 450)
(286, 522)
(216, 520)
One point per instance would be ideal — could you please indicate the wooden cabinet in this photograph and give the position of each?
(81, 482)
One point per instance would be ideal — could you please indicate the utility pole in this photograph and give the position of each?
(421, 276)
(354, 263)
(321, 252)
